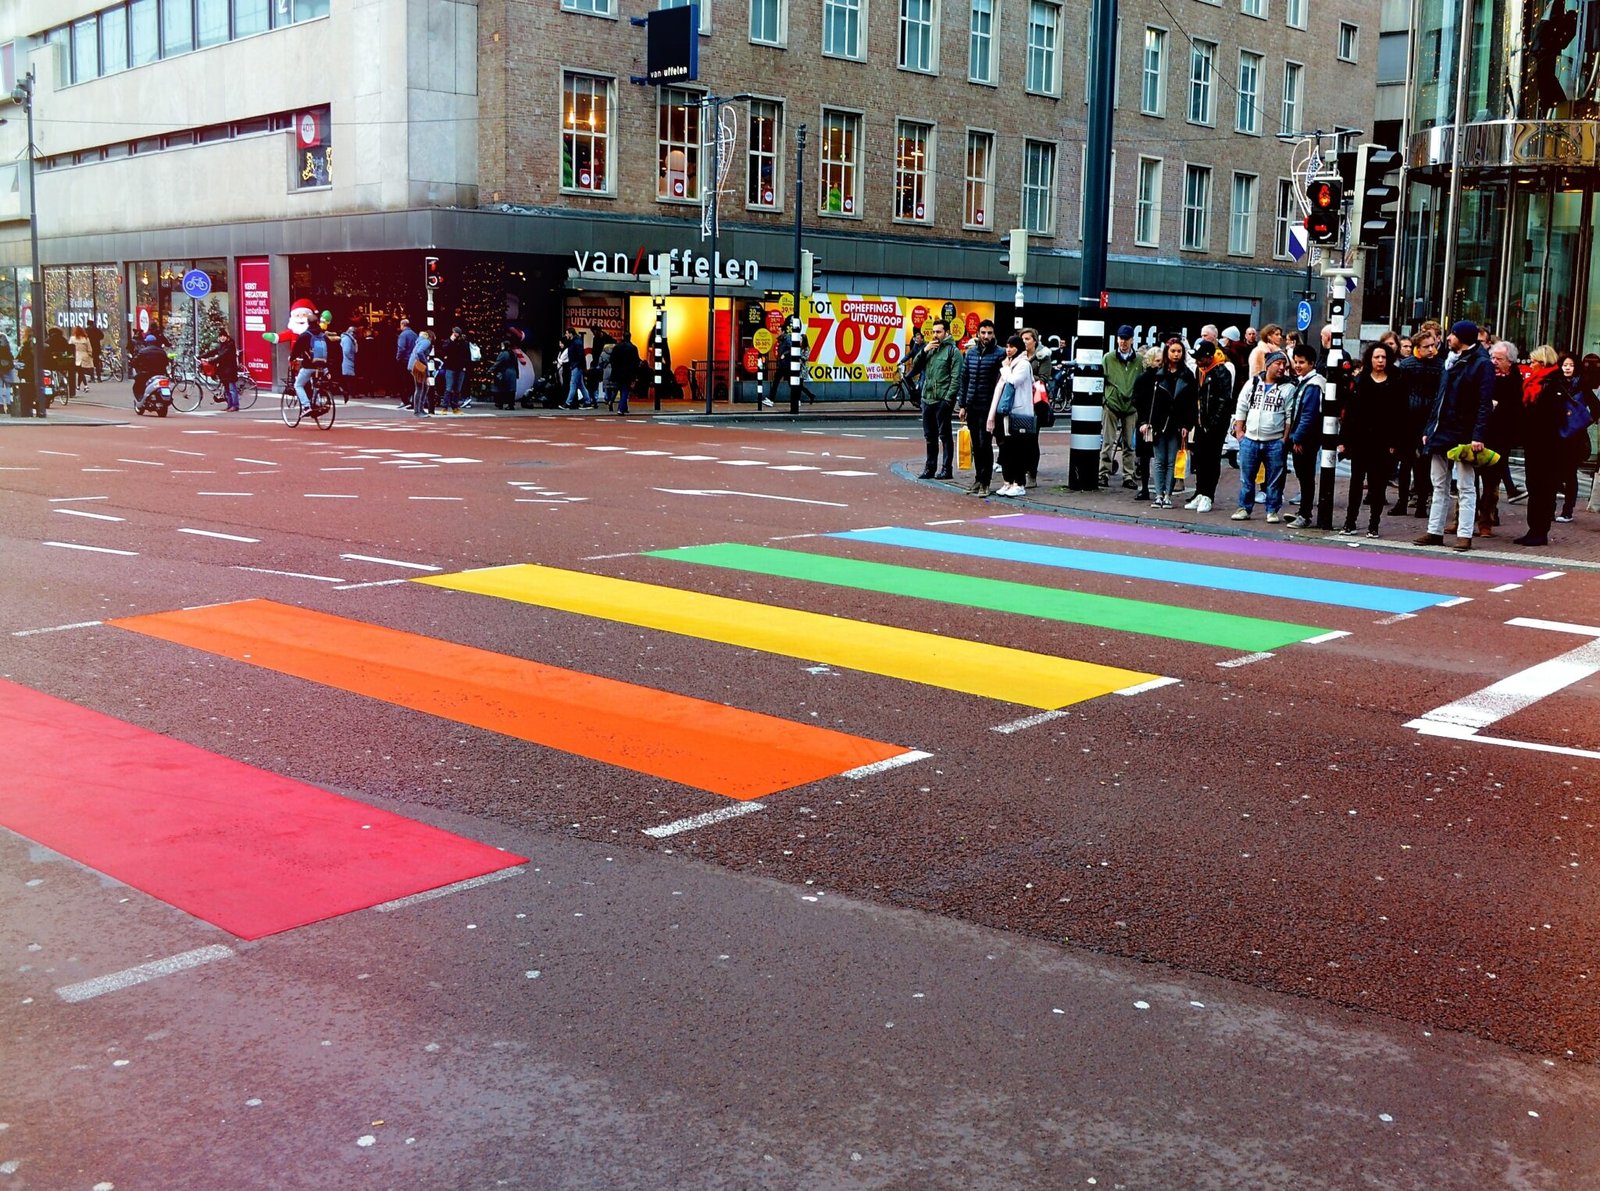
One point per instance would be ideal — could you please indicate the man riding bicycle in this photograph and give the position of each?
(308, 356)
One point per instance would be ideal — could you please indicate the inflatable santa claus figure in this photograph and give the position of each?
(301, 316)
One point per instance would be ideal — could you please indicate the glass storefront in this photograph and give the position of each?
(89, 296)
(159, 305)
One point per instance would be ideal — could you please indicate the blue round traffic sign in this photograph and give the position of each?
(196, 283)
(1302, 315)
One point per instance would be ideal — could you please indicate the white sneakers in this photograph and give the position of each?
(1201, 504)
(1194, 501)
(1011, 490)
(1241, 514)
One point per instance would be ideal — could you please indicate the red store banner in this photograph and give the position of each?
(255, 317)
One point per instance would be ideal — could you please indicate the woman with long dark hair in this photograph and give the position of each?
(1011, 420)
(1174, 406)
(1574, 447)
(1372, 428)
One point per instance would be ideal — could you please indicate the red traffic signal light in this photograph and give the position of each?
(1326, 196)
(431, 271)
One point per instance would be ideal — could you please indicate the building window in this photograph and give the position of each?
(85, 50)
(1347, 41)
(598, 8)
(1293, 74)
(678, 146)
(841, 28)
(767, 21)
(913, 163)
(840, 163)
(251, 16)
(212, 26)
(980, 45)
(177, 29)
(587, 104)
(1254, 8)
(1242, 219)
(1295, 13)
(1153, 89)
(705, 10)
(1247, 117)
(763, 161)
(1147, 204)
(1202, 69)
(144, 35)
(976, 210)
(1196, 207)
(919, 19)
(1288, 211)
(313, 130)
(1039, 187)
(1044, 34)
(113, 40)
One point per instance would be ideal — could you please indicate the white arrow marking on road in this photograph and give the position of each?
(832, 504)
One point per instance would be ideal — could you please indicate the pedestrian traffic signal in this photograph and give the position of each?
(810, 272)
(1326, 196)
(1014, 251)
(1377, 195)
(430, 270)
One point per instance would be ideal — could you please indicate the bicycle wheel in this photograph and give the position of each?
(186, 395)
(894, 397)
(247, 390)
(289, 409)
(322, 411)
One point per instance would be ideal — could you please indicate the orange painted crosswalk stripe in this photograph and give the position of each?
(725, 750)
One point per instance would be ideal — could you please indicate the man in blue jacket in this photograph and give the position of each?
(1460, 418)
(1305, 430)
(980, 371)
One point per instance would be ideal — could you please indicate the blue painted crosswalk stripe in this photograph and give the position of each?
(1159, 570)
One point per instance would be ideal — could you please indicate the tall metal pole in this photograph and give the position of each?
(1453, 207)
(711, 289)
(1088, 374)
(794, 319)
(23, 94)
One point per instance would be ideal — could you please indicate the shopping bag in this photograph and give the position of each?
(1181, 468)
(964, 449)
(1261, 473)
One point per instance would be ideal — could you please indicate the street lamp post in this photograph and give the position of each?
(796, 327)
(23, 93)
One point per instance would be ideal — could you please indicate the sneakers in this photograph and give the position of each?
(1011, 490)
(1193, 502)
(1563, 518)
(1462, 544)
(1241, 515)
(944, 475)
(979, 490)
(1202, 504)
(977, 486)
(1518, 499)
(1129, 483)
(1273, 518)
(1428, 539)
(1298, 522)
(766, 403)
(1348, 531)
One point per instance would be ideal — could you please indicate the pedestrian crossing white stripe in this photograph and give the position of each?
(428, 895)
(1505, 587)
(1142, 687)
(705, 820)
(1515, 692)
(1555, 626)
(1030, 721)
(1245, 660)
(139, 974)
(1333, 636)
(906, 758)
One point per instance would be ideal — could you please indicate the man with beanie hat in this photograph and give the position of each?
(1460, 418)
(1118, 419)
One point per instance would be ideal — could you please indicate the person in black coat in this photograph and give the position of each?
(225, 357)
(1460, 419)
(1372, 432)
(1214, 416)
(1144, 394)
(1420, 372)
(979, 372)
(1174, 409)
(1544, 413)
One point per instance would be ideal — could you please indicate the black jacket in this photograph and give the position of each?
(226, 358)
(1216, 402)
(456, 354)
(1466, 397)
(148, 361)
(978, 378)
(624, 362)
(1505, 420)
(1374, 416)
(1174, 402)
(1422, 386)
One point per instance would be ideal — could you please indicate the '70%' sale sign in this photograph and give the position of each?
(865, 338)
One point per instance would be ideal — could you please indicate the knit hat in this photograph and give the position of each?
(1466, 330)
(1231, 334)
(1279, 356)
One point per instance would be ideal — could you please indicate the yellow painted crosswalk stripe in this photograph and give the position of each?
(993, 671)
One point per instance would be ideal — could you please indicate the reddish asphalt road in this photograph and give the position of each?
(1364, 954)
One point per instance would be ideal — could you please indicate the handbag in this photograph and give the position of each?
(1180, 468)
(1578, 417)
(964, 448)
(1008, 398)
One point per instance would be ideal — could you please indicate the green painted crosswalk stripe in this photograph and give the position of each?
(1224, 630)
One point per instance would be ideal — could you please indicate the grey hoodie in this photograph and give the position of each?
(1261, 407)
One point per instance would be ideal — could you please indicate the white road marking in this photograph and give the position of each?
(1516, 692)
(1555, 626)
(224, 493)
(605, 448)
(1140, 688)
(226, 537)
(291, 574)
(649, 452)
(832, 504)
(1333, 636)
(191, 454)
(1245, 660)
(1550, 575)
(60, 499)
(849, 473)
(63, 454)
(436, 498)
(795, 467)
(94, 549)
(1457, 732)
(87, 513)
(1506, 587)
(341, 469)
(262, 462)
(57, 628)
(139, 974)
(906, 758)
(332, 496)
(1032, 721)
(373, 583)
(390, 562)
(116, 471)
(740, 462)
(142, 462)
(705, 820)
(951, 521)
(1396, 618)
(1459, 600)
(428, 895)
(695, 458)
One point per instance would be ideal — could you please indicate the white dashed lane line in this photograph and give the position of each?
(93, 549)
(87, 513)
(226, 537)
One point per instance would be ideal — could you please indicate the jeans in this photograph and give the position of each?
(453, 380)
(230, 390)
(1466, 484)
(1165, 456)
(1252, 453)
(577, 391)
(419, 395)
(936, 433)
(301, 379)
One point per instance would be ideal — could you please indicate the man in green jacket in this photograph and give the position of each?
(1122, 367)
(941, 385)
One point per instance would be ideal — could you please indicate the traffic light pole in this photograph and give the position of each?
(1088, 372)
(793, 363)
(1335, 375)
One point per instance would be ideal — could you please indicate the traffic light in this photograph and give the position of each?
(1377, 194)
(1326, 196)
(810, 271)
(1014, 251)
(431, 271)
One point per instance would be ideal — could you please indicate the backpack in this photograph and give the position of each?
(319, 347)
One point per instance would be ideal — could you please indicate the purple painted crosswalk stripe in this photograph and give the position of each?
(1338, 556)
